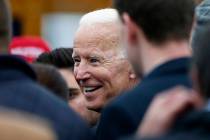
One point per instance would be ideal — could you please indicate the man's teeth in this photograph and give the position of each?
(89, 89)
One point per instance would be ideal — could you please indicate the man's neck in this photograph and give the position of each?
(153, 56)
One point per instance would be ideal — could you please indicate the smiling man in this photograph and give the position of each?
(61, 58)
(101, 67)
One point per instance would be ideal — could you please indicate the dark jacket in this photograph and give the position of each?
(19, 90)
(194, 125)
(123, 115)
(193, 122)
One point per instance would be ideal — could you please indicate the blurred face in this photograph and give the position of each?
(99, 70)
(77, 99)
(130, 33)
(132, 44)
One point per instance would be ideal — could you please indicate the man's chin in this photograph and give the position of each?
(96, 108)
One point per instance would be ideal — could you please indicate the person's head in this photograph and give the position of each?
(152, 28)
(201, 63)
(62, 59)
(101, 67)
(5, 25)
(49, 77)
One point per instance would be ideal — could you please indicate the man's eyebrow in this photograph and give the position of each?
(75, 56)
(97, 54)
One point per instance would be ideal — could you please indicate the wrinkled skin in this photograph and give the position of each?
(100, 68)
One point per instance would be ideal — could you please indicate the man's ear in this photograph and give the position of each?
(132, 30)
(132, 74)
(133, 77)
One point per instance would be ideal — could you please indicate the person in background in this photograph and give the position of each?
(20, 92)
(62, 59)
(6, 26)
(202, 20)
(49, 77)
(157, 39)
(28, 47)
(182, 113)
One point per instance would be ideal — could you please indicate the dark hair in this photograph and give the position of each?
(201, 54)
(49, 77)
(60, 58)
(5, 24)
(160, 20)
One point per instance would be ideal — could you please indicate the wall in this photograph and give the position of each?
(30, 11)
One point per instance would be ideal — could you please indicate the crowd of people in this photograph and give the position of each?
(136, 72)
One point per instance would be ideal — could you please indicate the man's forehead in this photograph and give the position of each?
(88, 51)
(94, 51)
(95, 45)
(100, 35)
(100, 39)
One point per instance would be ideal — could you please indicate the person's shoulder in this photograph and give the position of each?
(37, 98)
(120, 108)
(25, 94)
(60, 114)
(120, 103)
(131, 99)
(114, 118)
(126, 97)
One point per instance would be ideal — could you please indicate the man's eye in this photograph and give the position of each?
(72, 94)
(76, 62)
(94, 60)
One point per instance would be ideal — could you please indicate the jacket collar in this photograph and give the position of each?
(175, 66)
(12, 62)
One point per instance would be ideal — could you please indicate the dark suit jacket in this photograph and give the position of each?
(193, 122)
(123, 115)
(19, 91)
(194, 125)
(180, 136)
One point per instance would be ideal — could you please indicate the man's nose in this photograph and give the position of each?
(81, 72)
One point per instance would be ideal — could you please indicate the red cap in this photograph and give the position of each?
(28, 47)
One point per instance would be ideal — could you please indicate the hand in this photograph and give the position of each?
(164, 110)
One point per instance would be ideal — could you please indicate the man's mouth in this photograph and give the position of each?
(88, 90)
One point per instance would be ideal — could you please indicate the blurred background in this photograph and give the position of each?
(54, 20)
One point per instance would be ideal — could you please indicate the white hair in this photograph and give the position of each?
(107, 15)
(104, 16)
